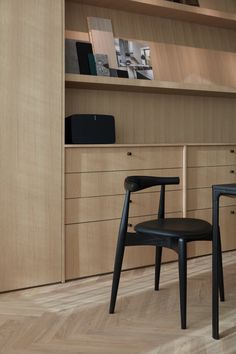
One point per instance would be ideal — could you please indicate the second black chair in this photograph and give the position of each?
(173, 233)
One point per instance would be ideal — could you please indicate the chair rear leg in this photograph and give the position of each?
(182, 280)
(221, 275)
(158, 266)
(116, 275)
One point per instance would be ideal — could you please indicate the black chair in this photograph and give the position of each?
(173, 233)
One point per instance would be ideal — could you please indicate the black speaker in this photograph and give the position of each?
(90, 129)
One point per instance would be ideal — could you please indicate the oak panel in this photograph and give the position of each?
(110, 207)
(31, 95)
(117, 158)
(200, 177)
(110, 183)
(202, 199)
(211, 155)
(90, 249)
(227, 227)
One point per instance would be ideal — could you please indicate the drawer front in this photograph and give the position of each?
(227, 227)
(211, 156)
(90, 249)
(110, 183)
(202, 199)
(200, 177)
(110, 207)
(114, 159)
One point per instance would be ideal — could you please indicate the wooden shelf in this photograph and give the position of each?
(167, 9)
(145, 86)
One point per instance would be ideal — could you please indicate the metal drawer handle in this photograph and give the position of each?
(129, 153)
(231, 171)
(232, 212)
(232, 151)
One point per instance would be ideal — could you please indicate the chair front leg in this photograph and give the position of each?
(116, 275)
(158, 266)
(182, 251)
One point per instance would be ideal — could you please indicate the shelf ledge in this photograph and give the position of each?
(163, 8)
(146, 86)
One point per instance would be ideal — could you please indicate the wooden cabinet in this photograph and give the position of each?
(95, 194)
(94, 199)
(31, 143)
(208, 165)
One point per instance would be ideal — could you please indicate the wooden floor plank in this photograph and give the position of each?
(73, 317)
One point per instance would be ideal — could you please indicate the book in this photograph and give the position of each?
(71, 57)
(102, 66)
(83, 51)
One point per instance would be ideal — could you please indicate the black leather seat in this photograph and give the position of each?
(186, 228)
(173, 233)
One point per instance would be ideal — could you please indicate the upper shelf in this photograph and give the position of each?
(146, 86)
(163, 8)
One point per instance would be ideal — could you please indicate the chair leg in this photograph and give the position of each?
(221, 275)
(182, 280)
(116, 275)
(158, 266)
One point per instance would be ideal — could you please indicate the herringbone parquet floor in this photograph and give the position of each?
(73, 317)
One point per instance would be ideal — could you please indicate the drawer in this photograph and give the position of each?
(202, 199)
(110, 183)
(227, 226)
(211, 155)
(200, 177)
(90, 249)
(102, 159)
(110, 207)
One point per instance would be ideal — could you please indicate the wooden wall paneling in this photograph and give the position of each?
(31, 89)
(152, 29)
(186, 64)
(226, 5)
(149, 118)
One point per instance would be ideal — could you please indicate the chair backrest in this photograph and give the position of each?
(137, 183)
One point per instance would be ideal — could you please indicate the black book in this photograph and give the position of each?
(83, 52)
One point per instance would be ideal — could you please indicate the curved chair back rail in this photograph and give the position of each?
(137, 183)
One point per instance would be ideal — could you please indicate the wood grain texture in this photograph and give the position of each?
(73, 317)
(162, 8)
(202, 199)
(227, 229)
(31, 142)
(211, 156)
(149, 118)
(122, 158)
(110, 207)
(110, 183)
(201, 87)
(90, 248)
(201, 177)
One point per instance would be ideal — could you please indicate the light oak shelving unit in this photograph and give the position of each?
(152, 118)
(165, 9)
(146, 86)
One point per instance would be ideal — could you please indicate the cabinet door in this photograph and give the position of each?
(31, 71)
